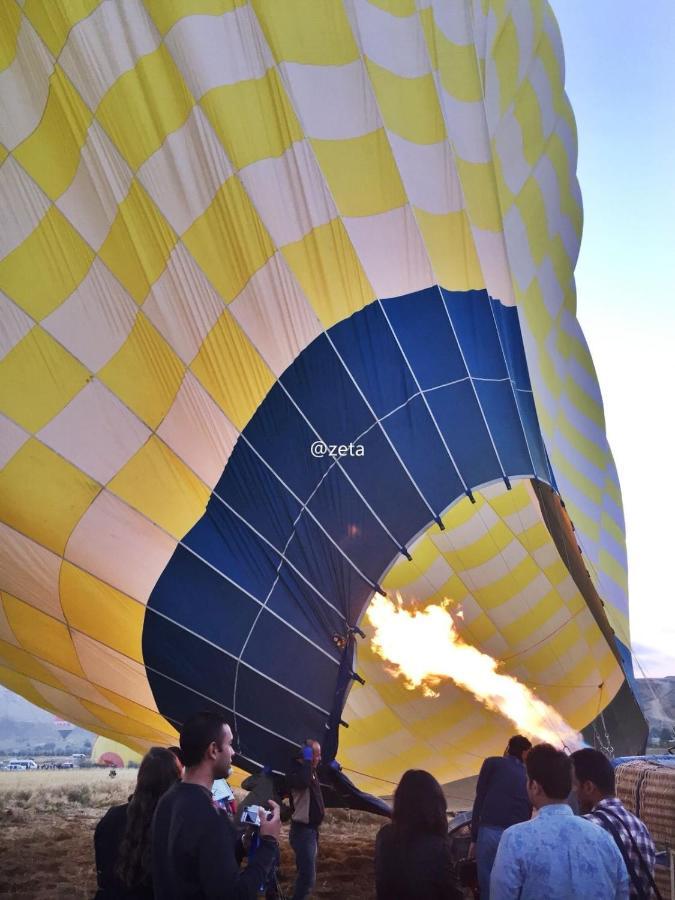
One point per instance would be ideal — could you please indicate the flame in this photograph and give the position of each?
(424, 647)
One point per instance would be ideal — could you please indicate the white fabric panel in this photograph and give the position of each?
(522, 602)
(520, 258)
(393, 42)
(584, 379)
(492, 101)
(522, 17)
(452, 20)
(428, 582)
(197, 431)
(332, 102)
(29, 571)
(15, 325)
(494, 264)
(545, 555)
(105, 45)
(429, 175)
(211, 51)
(101, 183)
(575, 498)
(184, 175)
(11, 439)
(467, 131)
(95, 320)
(289, 193)
(550, 287)
(275, 314)
(509, 147)
(499, 566)
(552, 29)
(468, 532)
(24, 87)
(23, 205)
(391, 235)
(538, 78)
(558, 223)
(523, 519)
(182, 304)
(613, 593)
(120, 546)
(96, 432)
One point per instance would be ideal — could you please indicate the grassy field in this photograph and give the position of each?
(47, 821)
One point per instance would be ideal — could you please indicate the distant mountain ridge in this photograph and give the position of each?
(24, 726)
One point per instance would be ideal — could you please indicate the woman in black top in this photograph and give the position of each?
(122, 837)
(412, 855)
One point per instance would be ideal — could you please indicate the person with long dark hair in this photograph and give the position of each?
(412, 854)
(122, 837)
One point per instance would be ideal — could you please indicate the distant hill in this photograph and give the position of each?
(25, 727)
(656, 696)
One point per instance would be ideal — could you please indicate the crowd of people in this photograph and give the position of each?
(545, 824)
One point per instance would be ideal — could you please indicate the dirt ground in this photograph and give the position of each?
(47, 822)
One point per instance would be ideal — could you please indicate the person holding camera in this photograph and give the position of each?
(307, 814)
(196, 849)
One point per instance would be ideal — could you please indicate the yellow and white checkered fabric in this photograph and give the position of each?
(153, 287)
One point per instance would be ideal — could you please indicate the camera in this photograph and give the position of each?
(251, 816)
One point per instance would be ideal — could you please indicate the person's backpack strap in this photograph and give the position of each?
(610, 821)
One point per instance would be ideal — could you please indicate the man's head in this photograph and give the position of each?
(592, 777)
(206, 740)
(518, 746)
(315, 747)
(549, 775)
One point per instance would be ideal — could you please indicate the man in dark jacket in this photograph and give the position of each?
(308, 811)
(501, 801)
(195, 847)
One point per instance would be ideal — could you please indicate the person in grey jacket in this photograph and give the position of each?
(307, 814)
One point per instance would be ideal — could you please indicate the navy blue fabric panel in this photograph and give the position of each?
(474, 324)
(267, 638)
(283, 439)
(342, 513)
(512, 343)
(419, 444)
(228, 544)
(528, 415)
(323, 390)
(194, 595)
(499, 406)
(296, 602)
(197, 665)
(264, 702)
(423, 330)
(367, 346)
(458, 415)
(383, 481)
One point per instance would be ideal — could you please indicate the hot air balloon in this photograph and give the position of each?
(289, 317)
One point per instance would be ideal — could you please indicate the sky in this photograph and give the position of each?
(620, 79)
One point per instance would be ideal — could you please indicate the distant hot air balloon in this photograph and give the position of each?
(63, 728)
(288, 315)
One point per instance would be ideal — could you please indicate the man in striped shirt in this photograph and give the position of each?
(593, 781)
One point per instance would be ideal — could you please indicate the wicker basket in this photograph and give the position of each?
(648, 790)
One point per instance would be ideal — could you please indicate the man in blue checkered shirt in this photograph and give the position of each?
(593, 781)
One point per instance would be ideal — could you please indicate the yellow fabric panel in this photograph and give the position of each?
(53, 20)
(4, 153)
(159, 485)
(608, 524)
(22, 662)
(22, 685)
(42, 635)
(38, 379)
(409, 106)
(36, 478)
(145, 373)
(165, 13)
(462, 511)
(483, 549)
(527, 113)
(10, 23)
(502, 589)
(480, 195)
(145, 105)
(51, 154)
(530, 203)
(254, 119)
(139, 243)
(539, 659)
(580, 442)
(329, 272)
(313, 32)
(451, 249)
(578, 479)
(105, 614)
(457, 66)
(481, 629)
(506, 56)
(535, 537)
(46, 267)
(586, 404)
(232, 371)
(518, 630)
(610, 565)
(361, 174)
(229, 241)
(396, 7)
(126, 725)
(515, 500)
(140, 713)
